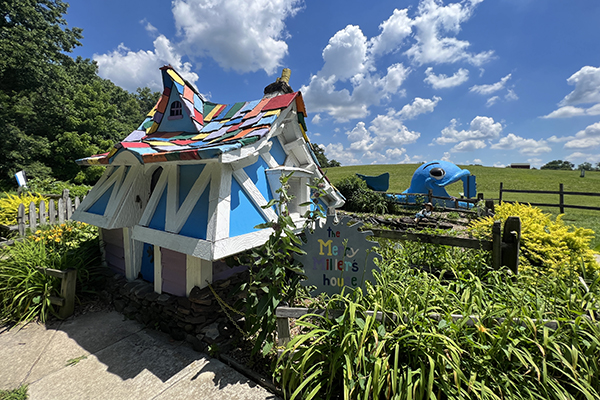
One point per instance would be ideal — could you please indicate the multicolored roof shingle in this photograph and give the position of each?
(215, 128)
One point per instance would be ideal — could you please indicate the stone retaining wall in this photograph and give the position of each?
(198, 319)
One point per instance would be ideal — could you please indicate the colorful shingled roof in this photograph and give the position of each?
(217, 128)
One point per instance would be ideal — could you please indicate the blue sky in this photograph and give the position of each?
(488, 82)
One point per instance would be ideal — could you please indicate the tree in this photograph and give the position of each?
(586, 166)
(320, 154)
(53, 108)
(33, 40)
(559, 164)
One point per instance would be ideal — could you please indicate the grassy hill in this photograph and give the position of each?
(488, 183)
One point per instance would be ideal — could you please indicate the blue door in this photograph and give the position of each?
(148, 263)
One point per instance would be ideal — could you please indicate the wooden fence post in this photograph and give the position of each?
(561, 198)
(430, 196)
(67, 292)
(77, 202)
(500, 195)
(65, 195)
(43, 214)
(511, 238)
(21, 219)
(61, 211)
(489, 204)
(32, 217)
(52, 211)
(69, 208)
(283, 331)
(496, 246)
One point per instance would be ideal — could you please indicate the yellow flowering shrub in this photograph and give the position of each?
(551, 245)
(9, 206)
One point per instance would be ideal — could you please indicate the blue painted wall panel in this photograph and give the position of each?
(100, 205)
(188, 174)
(244, 214)
(278, 152)
(256, 172)
(197, 222)
(160, 214)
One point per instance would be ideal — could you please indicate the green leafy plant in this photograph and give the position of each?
(53, 186)
(548, 245)
(9, 206)
(359, 198)
(274, 276)
(19, 393)
(428, 345)
(25, 290)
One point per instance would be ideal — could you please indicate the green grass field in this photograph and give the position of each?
(488, 183)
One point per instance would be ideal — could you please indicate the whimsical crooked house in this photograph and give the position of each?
(186, 189)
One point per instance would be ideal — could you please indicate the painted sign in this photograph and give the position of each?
(337, 256)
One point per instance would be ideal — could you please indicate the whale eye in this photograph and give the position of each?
(437, 173)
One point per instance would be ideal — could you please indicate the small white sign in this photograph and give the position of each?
(21, 178)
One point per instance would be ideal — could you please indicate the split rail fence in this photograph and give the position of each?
(504, 245)
(561, 197)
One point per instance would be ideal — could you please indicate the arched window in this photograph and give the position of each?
(176, 109)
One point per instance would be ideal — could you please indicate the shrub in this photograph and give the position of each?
(25, 290)
(52, 186)
(9, 206)
(547, 245)
(359, 198)
(417, 357)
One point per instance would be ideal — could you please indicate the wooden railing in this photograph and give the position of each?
(283, 315)
(504, 245)
(68, 284)
(561, 197)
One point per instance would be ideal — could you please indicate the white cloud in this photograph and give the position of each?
(149, 27)
(351, 80)
(446, 156)
(498, 164)
(492, 88)
(131, 70)
(491, 101)
(591, 158)
(511, 95)
(587, 91)
(417, 107)
(525, 146)
(316, 119)
(481, 128)
(587, 87)
(442, 81)
(431, 24)
(468, 145)
(584, 139)
(393, 32)
(321, 94)
(380, 142)
(571, 111)
(346, 54)
(245, 36)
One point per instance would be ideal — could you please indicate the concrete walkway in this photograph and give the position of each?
(102, 355)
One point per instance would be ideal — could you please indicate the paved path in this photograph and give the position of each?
(103, 356)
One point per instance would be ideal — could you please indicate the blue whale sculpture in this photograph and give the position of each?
(436, 175)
